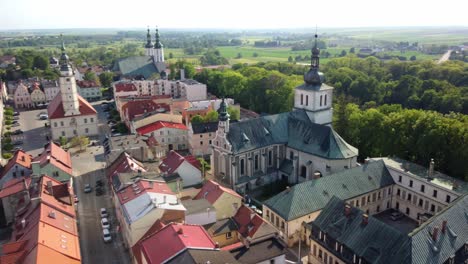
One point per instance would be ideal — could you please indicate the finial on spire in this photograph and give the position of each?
(63, 43)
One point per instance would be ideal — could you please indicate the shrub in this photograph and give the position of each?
(7, 155)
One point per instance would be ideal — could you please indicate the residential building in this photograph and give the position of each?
(70, 114)
(199, 212)
(188, 168)
(201, 137)
(18, 166)
(38, 97)
(89, 90)
(51, 89)
(293, 147)
(13, 192)
(172, 240)
(172, 136)
(251, 227)
(224, 232)
(123, 179)
(123, 163)
(224, 200)
(271, 250)
(53, 161)
(136, 146)
(144, 67)
(7, 60)
(21, 96)
(140, 204)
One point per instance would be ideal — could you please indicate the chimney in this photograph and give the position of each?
(182, 74)
(431, 168)
(217, 245)
(347, 210)
(444, 226)
(435, 233)
(365, 219)
(180, 231)
(366, 161)
(49, 188)
(151, 184)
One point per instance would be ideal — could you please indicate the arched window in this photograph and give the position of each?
(303, 171)
(302, 99)
(320, 100)
(307, 100)
(325, 100)
(256, 162)
(242, 167)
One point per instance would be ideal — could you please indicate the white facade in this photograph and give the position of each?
(38, 97)
(201, 218)
(69, 93)
(318, 104)
(22, 97)
(172, 138)
(51, 91)
(85, 125)
(90, 93)
(189, 174)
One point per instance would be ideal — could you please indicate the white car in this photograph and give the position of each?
(106, 236)
(105, 223)
(104, 213)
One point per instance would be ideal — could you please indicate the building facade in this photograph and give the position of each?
(37, 95)
(21, 97)
(90, 91)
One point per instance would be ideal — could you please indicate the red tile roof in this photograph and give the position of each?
(15, 186)
(124, 163)
(173, 238)
(233, 246)
(21, 158)
(137, 108)
(141, 187)
(158, 125)
(55, 109)
(152, 142)
(212, 190)
(247, 221)
(125, 87)
(86, 84)
(56, 156)
(55, 200)
(158, 225)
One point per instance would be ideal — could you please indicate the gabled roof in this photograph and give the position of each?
(124, 163)
(125, 87)
(426, 250)
(311, 196)
(19, 158)
(198, 206)
(56, 156)
(172, 239)
(259, 252)
(138, 66)
(212, 191)
(136, 108)
(141, 187)
(15, 186)
(87, 84)
(197, 256)
(60, 199)
(222, 226)
(375, 241)
(158, 125)
(251, 224)
(204, 127)
(55, 109)
(136, 249)
(173, 160)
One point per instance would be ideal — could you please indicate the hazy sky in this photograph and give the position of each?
(43, 14)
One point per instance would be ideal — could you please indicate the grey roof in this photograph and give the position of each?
(417, 170)
(375, 241)
(197, 206)
(260, 251)
(286, 166)
(197, 256)
(221, 226)
(138, 65)
(311, 196)
(426, 250)
(205, 127)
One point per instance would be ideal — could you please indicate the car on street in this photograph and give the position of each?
(87, 188)
(99, 183)
(43, 117)
(17, 132)
(116, 134)
(17, 143)
(99, 191)
(16, 118)
(15, 113)
(15, 125)
(106, 236)
(105, 223)
(104, 103)
(104, 213)
(18, 148)
(396, 216)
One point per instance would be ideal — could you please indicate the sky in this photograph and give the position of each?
(237, 14)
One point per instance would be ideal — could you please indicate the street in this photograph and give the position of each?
(35, 132)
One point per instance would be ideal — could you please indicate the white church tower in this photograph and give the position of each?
(67, 84)
(314, 96)
(149, 44)
(158, 49)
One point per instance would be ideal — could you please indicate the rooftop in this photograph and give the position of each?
(209, 127)
(53, 154)
(21, 158)
(173, 160)
(222, 226)
(251, 224)
(159, 125)
(196, 256)
(141, 108)
(124, 163)
(125, 87)
(15, 186)
(260, 251)
(197, 206)
(212, 191)
(55, 109)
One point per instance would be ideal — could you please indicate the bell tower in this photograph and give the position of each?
(67, 83)
(314, 96)
(149, 44)
(158, 49)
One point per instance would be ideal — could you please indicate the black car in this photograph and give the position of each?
(99, 183)
(17, 132)
(99, 191)
(17, 143)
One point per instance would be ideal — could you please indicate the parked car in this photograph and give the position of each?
(15, 113)
(396, 216)
(15, 125)
(116, 134)
(17, 143)
(42, 113)
(16, 118)
(104, 103)
(17, 132)
(99, 191)
(88, 188)
(18, 148)
(106, 236)
(14, 122)
(104, 213)
(105, 223)
(43, 117)
(99, 183)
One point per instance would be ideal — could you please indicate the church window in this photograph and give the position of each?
(320, 100)
(256, 162)
(302, 99)
(86, 130)
(307, 100)
(270, 157)
(242, 170)
(209, 142)
(68, 79)
(61, 123)
(303, 171)
(55, 124)
(325, 103)
(291, 155)
(201, 143)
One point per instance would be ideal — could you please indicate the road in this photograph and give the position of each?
(89, 167)
(445, 57)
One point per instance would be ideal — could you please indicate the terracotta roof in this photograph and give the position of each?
(172, 239)
(56, 200)
(158, 125)
(173, 160)
(124, 163)
(56, 156)
(58, 219)
(212, 190)
(152, 142)
(141, 187)
(137, 108)
(125, 87)
(55, 108)
(43, 255)
(250, 223)
(15, 186)
(158, 225)
(233, 246)
(21, 158)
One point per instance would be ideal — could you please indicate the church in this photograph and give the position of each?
(143, 67)
(70, 114)
(292, 147)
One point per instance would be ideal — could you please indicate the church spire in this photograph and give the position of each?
(222, 111)
(157, 44)
(64, 60)
(313, 76)
(149, 43)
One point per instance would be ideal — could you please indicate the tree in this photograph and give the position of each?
(80, 141)
(234, 113)
(106, 78)
(352, 50)
(90, 76)
(255, 54)
(205, 166)
(239, 55)
(63, 141)
(41, 62)
(290, 59)
(343, 53)
(197, 119)
(413, 58)
(171, 55)
(211, 116)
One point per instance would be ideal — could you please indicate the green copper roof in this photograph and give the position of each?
(375, 241)
(138, 65)
(311, 196)
(157, 44)
(222, 111)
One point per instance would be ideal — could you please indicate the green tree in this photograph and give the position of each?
(234, 113)
(205, 166)
(80, 141)
(239, 55)
(171, 55)
(352, 50)
(63, 141)
(211, 116)
(290, 59)
(41, 62)
(255, 55)
(197, 119)
(106, 78)
(90, 76)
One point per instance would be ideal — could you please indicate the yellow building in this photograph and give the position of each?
(224, 200)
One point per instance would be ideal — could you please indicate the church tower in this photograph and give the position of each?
(67, 83)
(314, 96)
(149, 44)
(158, 49)
(223, 118)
